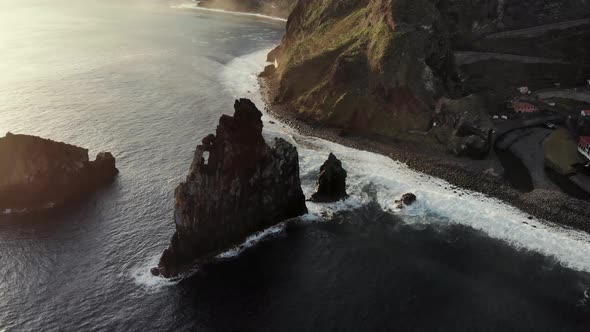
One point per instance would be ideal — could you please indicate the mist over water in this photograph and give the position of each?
(147, 82)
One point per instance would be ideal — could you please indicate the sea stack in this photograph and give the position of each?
(37, 173)
(331, 184)
(237, 185)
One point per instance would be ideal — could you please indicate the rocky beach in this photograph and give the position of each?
(482, 176)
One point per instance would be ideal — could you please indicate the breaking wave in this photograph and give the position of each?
(438, 201)
(195, 6)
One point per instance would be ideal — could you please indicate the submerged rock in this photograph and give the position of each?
(37, 173)
(406, 200)
(237, 185)
(331, 184)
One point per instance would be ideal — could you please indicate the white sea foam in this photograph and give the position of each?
(143, 276)
(438, 201)
(251, 241)
(196, 7)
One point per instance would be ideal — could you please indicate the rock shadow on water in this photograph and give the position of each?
(368, 270)
(79, 221)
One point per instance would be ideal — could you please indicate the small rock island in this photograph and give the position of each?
(37, 173)
(237, 185)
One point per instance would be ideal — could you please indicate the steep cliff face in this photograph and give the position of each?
(237, 185)
(279, 8)
(381, 66)
(37, 173)
(375, 66)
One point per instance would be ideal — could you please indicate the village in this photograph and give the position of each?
(548, 131)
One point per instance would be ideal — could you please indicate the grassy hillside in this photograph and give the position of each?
(374, 66)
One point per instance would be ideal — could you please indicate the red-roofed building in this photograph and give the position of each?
(584, 147)
(585, 113)
(523, 107)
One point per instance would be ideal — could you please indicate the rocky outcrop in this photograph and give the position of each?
(278, 8)
(268, 71)
(406, 200)
(331, 183)
(463, 126)
(237, 185)
(37, 173)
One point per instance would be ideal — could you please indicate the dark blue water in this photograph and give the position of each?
(378, 274)
(147, 82)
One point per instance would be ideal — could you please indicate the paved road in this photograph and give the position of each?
(538, 30)
(527, 145)
(466, 58)
(511, 125)
(580, 95)
(582, 180)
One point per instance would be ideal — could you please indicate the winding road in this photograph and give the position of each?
(579, 94)
(467, 58)
(538, 30)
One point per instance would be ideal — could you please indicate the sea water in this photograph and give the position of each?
(147, 80)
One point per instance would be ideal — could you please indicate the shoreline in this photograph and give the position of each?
(478, 176)
(221, 10)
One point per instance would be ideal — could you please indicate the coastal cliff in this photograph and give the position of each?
(375, 66)
(382, 66)
(237, 185)
(37, 173)
(428, 83)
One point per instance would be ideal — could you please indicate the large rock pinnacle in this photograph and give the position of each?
(237, 185)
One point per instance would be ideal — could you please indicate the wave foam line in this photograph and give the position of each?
(143, 276)
(197, 7)
(252, 241)
(439, 202)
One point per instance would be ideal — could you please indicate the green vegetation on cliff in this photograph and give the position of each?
(363, 65)
(437, 75)
(383, 66)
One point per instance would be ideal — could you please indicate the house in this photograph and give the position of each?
(523, 107)
(584, 147)
(585, 113)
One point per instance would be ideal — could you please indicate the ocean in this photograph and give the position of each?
(147, 80)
